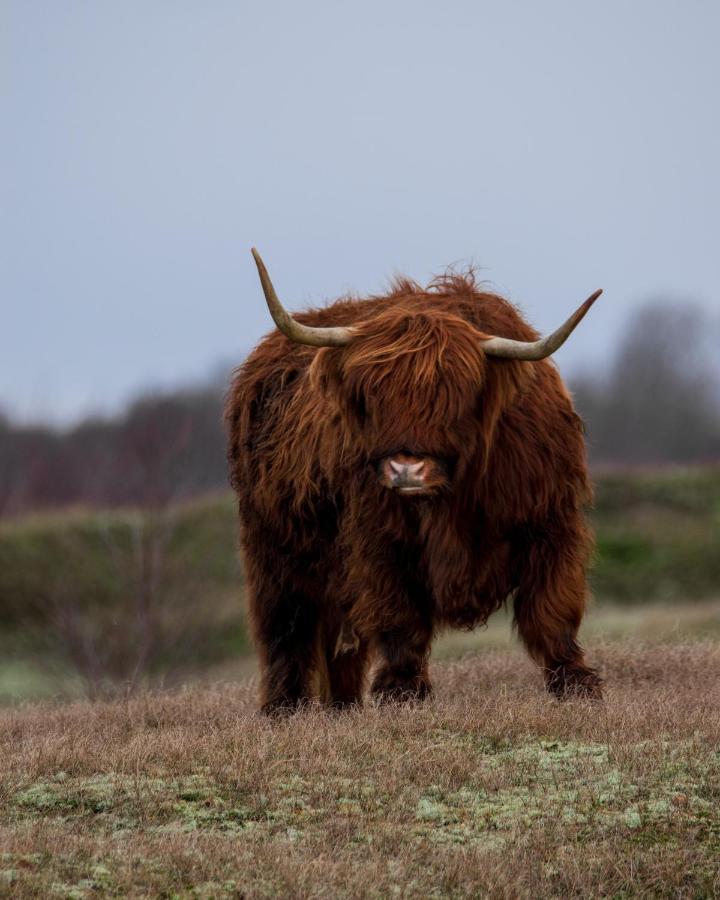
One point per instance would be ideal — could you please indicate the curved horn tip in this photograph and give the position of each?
(589, 302)
(262, 272)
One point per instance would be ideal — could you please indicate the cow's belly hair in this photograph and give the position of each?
(477, 592)
(470, 610)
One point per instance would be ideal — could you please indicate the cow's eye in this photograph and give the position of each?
(360, 408)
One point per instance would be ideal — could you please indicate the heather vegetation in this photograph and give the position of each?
(492, 788)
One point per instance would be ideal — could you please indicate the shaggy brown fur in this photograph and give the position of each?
(341, 570)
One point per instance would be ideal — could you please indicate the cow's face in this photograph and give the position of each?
(419, 388)
(410, 391)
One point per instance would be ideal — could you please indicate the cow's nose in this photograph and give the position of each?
(405, 475)
(406, 470)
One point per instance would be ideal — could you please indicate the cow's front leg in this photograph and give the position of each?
(402, 672)
(393, 612)
(549, 606)
(283, 614)
(285, 633)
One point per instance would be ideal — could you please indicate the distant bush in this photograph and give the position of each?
(657, 536)
(124, 598)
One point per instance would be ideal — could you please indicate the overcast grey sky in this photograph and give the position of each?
(562, 146)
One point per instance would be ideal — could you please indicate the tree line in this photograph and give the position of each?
(657, 402)
(163, 448)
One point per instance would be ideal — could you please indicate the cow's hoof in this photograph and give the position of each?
(413, 690)
(282, 707)
(345, 704)
(572, 682)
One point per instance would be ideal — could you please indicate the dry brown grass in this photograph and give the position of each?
(491, 789)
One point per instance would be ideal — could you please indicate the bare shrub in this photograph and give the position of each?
(117, 597)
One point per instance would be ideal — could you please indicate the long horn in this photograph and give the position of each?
(335, 336)
(534, 350)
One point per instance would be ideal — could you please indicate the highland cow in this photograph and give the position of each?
(407, 463)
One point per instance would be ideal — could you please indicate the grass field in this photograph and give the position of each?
(492, 788)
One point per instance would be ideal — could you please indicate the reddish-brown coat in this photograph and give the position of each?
(342, 570)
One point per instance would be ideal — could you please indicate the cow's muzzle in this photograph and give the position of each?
(405, 473)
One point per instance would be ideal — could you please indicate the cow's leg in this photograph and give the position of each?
(285, 628)
(549, 606)
(393, 612)
(284, 619)
(402, 672)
